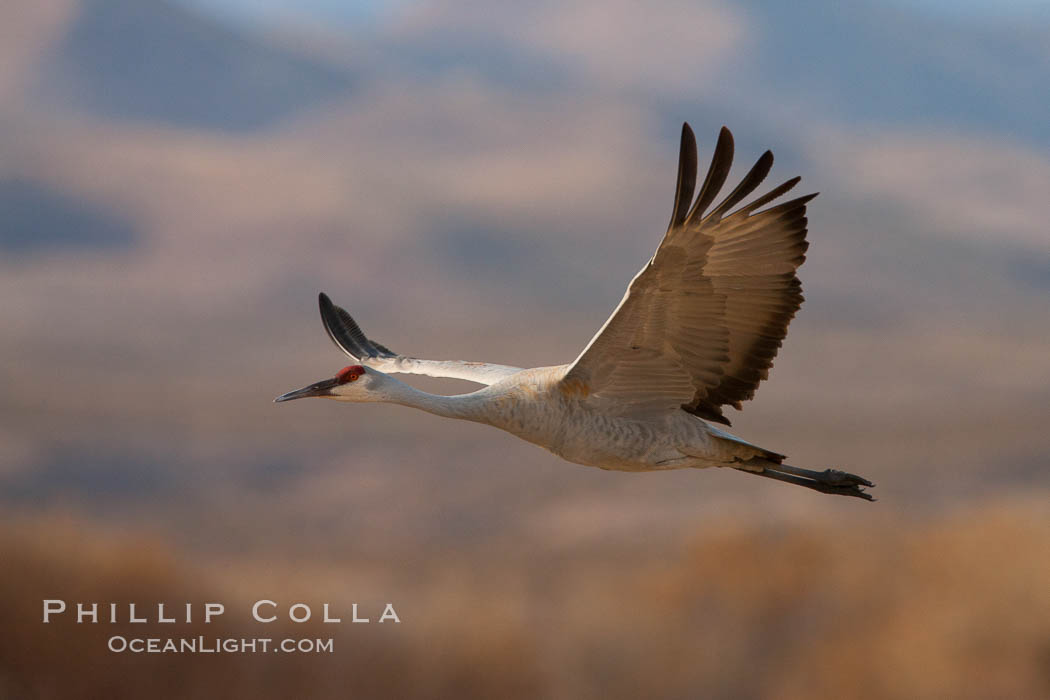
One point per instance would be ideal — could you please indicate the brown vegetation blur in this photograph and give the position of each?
(953, 606)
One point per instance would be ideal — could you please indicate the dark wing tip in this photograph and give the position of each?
(749, 184)
(688, 141)
(772, 195)
(725, 138)
(721, 161)
(325, 305)
(686, 181)
(346, 334)
(804, 199)
(334, 329)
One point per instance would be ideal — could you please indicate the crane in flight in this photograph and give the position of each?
(697, 330)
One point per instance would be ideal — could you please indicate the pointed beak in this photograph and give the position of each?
(321, 388)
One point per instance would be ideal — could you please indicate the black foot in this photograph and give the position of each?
(831, 481)
(834, 477)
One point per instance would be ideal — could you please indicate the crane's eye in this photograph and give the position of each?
(349, 374)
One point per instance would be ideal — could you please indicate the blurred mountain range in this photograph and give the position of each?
(158, 62)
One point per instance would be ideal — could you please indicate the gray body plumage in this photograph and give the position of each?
(532, 405)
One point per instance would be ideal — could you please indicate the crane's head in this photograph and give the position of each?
(353, 383)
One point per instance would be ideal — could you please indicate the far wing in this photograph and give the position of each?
(701, 323)
(347, 335)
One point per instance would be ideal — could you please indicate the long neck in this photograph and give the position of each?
(464, 406)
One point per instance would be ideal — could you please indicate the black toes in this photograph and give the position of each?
(835, 477)
(844, 490)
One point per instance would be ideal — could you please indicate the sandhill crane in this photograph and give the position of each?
(697, 329)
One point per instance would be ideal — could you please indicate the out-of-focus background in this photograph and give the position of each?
(178, 180)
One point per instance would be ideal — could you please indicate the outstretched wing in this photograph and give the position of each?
(347, 335)
(701, 323)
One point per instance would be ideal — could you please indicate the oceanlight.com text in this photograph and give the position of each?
(218, 645)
